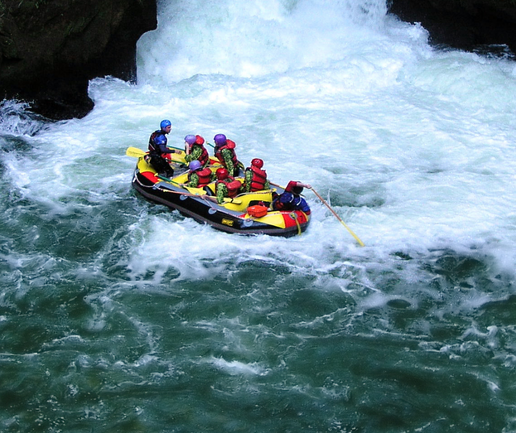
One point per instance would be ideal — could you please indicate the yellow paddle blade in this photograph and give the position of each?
(232, 200)
(134, 152)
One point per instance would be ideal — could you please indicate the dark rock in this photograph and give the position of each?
(50, 49)
(463, 24)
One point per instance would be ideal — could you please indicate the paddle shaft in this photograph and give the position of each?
(226, 199)
(137, 153)
(336, 216)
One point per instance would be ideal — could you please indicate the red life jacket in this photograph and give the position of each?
(204, 177)
(232, 185)
(259, 178)
(277, 205)
(205, 156)
(231, 146)
(293, 188)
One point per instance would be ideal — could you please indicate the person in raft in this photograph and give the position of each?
(199, 176)
(165, 128)
(195, 150)
(291, 198)
(255, 177)
(158, 150)
(225, 153)
(157, 156)
(226, 186)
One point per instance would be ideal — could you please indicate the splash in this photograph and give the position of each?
(254, 38)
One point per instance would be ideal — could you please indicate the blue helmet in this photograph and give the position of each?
(220, 139)
(195, 165)
(190, 139)
(286, 197)
(164, 124)
(160, 140)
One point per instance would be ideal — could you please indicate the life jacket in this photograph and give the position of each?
(152, 145)
(232, 185)
(277, 205)
(204, 177)
(205, 156)
(297, 203)
(259, 178)
(293, 188)
(231, 146)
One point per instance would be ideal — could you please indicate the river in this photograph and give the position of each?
(118, 315)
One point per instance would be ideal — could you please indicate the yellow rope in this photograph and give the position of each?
(293, 215)
(336, 216)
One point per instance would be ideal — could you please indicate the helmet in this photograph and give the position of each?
(164, 124)
(286, 197)
(222, 174)
(190, 139)
(199, 139)
(220, 139)
(195, 165)
(257, 162)
(160, 140)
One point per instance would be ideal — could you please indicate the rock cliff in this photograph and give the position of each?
(462, 24)
(50, 49)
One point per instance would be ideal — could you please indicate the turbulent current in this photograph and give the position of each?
(119, 315)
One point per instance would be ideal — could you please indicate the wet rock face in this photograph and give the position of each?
(50, 49)
(462, 24)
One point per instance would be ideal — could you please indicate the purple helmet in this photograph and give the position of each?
(195, 165)
(190, 139)
(220, 139)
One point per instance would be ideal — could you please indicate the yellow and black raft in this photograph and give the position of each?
(247, 213)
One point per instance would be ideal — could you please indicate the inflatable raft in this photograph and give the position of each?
(247, 213)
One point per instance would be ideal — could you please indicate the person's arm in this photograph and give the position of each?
(221, 193)
(194, 180)
(164, 149)
(303, 205)
(248, 179)
(228, 159)
(293, 183)
(194, 154)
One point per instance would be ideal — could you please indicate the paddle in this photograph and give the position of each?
(226, 199)
(177, 148)
(275, 184)
(333, 212)
(188, 194)
(342, 222)
(134, 152)
(168, 179)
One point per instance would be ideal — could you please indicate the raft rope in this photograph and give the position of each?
(293, 215)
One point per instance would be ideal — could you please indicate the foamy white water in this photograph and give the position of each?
(412, 147)
(119, 315)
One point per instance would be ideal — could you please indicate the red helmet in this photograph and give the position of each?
(222, 174)
(199, 139)
(257, 162)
